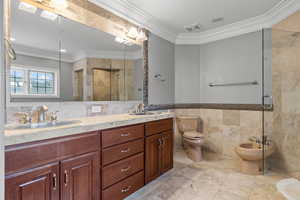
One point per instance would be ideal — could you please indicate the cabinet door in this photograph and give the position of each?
(80, 177)
(153, 155)
(166, 152)
(40, 183)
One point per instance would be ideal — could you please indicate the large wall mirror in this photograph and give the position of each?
(58, 59)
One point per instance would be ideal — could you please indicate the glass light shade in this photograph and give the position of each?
(132, 33)
(27, 7)
(49, 15)
(62, 4)
(142, 36)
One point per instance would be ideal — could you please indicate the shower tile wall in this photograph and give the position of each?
(125, 80)
(284, 123)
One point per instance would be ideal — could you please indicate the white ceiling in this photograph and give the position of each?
(176, 14)
(167, 18)
(36, 35)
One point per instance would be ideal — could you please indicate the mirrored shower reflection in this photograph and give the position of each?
(64, 60)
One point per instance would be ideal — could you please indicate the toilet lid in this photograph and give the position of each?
(193, 135)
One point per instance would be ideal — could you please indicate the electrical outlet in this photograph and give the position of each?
(96, 109)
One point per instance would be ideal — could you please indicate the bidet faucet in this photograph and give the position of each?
(264, 141)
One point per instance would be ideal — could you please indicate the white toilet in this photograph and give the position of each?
(192, 138)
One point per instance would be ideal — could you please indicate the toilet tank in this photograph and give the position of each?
(188, 123)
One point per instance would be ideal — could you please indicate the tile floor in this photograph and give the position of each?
(209, 180)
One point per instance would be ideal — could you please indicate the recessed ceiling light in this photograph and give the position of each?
(27, 7)
(63, 50)
(193, 27)
(219, 19)
(49, 15)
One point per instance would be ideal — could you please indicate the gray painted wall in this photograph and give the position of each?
(232, 60)
(161, 61)
(187, 76)
(66, 86)
(2, 103)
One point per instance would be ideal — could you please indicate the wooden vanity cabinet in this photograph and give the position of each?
(107, 165)
(159, 149)
(73, 172)
(40, 183)
(79, 177)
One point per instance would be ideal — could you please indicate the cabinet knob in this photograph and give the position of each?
(66, 178)
(54, 181)
(125, 150)
(126, 189)
(126, 169)
(159, 141)
(125, 134)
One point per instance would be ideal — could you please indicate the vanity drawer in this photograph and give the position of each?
(121, 135)
(113, 173)
(158, 126)
(123, 189)
(121, 151)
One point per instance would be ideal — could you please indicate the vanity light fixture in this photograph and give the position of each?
(119, 39)
(142, 36)
(49, 15)
(60, 4)
(123, 41)
(136, 34)
(132, 33)
(27, 7)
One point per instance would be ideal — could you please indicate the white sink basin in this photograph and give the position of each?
(43, 125)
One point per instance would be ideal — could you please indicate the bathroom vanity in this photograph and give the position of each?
(105, 164)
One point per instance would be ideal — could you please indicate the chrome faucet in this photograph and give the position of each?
(140, 108)
(41, 112)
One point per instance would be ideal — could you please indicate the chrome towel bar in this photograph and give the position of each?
(233, 84)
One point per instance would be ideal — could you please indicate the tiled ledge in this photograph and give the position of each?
(254, 107)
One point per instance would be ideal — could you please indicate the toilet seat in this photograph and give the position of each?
(193, 135)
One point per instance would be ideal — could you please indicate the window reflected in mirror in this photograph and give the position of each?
(64, 60)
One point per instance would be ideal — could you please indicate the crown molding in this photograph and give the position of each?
(130, 12)
(279, 12)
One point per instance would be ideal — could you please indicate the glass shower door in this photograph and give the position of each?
(267, 100)
(281, 102)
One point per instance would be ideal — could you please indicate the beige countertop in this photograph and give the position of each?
(87, 124)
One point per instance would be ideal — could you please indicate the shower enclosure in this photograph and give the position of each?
(281, 123)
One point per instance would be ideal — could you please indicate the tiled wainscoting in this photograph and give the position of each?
(226, 129)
